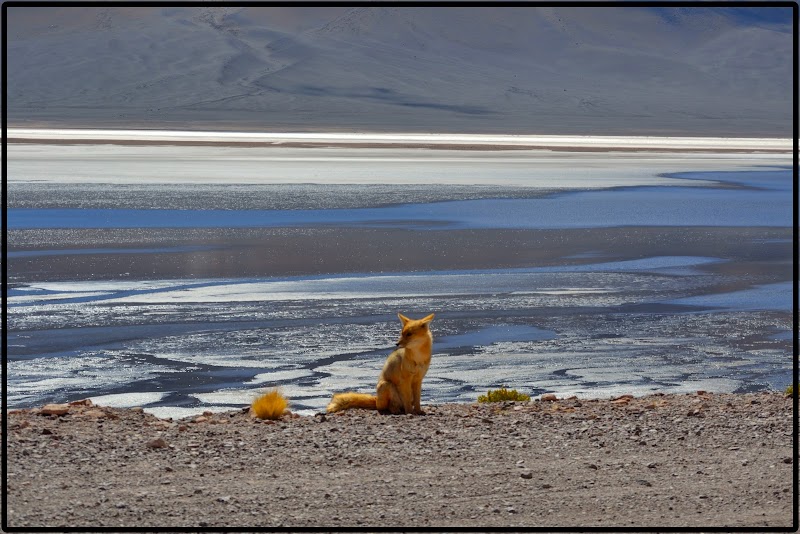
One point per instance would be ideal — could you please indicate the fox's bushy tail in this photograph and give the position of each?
(345, 401)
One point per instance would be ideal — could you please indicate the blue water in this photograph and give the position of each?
(765, 297)
(769, 203)
(777, 179)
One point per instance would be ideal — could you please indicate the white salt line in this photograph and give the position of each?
(576, 141)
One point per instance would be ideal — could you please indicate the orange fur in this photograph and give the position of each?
(345, 401)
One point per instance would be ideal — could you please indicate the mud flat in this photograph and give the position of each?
(693, 460)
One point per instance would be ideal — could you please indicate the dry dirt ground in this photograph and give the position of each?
(699, 460)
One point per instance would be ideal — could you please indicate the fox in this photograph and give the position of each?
(400, 382)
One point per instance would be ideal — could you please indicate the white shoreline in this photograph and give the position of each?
(476, 140)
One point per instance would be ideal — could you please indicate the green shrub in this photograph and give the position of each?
(503, 394)
(790, 390)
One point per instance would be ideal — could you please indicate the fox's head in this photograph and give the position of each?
(415, 331)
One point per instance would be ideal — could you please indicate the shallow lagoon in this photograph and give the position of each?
(768, 205)
(658, 322)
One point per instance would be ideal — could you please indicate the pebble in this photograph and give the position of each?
(55, 409)
(157, 443)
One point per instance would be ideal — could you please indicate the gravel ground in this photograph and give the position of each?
(699, 460)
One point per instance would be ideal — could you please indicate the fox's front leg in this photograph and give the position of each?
(416, 388)
(407, 396)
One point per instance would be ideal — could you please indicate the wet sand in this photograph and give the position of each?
(72, 254)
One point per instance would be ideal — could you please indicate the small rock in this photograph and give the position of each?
(592, 466)
(549, 397)
(225, 499)
(787, 460)
(525, 473)
(546, 486)
(157, 443)
(207, 413)
(652, 465)
(201, 419)
(137, 409)
(644, 483)
(82, 402)
(55, 409)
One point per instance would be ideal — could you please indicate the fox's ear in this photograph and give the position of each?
(426, 320)
(403, 318)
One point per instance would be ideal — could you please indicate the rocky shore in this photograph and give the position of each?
(699, 460)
